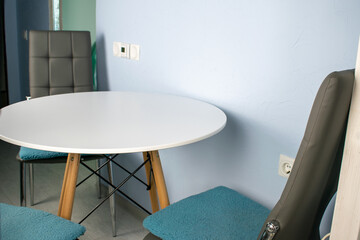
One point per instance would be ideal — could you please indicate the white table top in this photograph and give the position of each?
(109, 122)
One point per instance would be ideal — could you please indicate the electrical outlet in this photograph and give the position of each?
(285, 165)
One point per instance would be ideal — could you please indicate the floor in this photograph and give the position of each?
(48, 181)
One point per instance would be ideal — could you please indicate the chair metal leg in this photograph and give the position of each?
(31, 176)
(98, 182)
(22, 184)
(112, 200)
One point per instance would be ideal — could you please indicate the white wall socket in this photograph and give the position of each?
(285, 165)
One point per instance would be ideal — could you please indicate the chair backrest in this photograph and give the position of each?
(59, 62)
(314, 177)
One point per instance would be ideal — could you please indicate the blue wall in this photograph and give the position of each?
(260, 61)
(12, 53)
(21, 15)
(32, 15)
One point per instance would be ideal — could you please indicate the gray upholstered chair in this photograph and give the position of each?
(59, 62)
(222, 213)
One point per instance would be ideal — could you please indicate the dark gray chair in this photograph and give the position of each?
(59, 62)
(222, 213)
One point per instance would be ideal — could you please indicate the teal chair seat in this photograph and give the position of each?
(219, 213)
(32, 154)
(29, 224)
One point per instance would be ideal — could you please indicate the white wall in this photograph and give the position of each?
(260, 61)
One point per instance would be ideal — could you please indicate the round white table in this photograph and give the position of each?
(106, 123)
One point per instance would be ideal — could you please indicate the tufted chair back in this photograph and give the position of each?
(59, 62)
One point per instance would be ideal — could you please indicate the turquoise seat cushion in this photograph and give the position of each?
(29, 224)
(32, 154)
(219, 213)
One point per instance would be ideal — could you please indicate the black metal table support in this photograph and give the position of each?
(97, 170)
(117, 164)
(116, 188)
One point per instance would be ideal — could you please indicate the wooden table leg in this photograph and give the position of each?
(159, 179)
(69, 185)
(151, 182)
